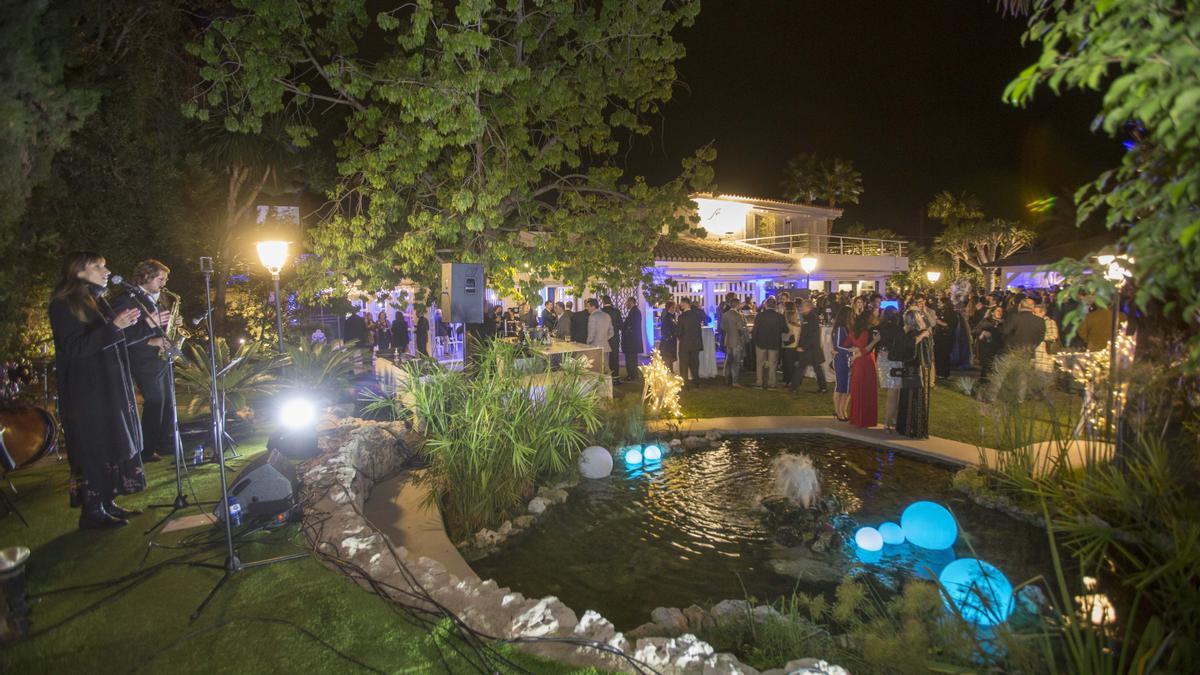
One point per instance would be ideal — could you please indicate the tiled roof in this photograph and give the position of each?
(694, 249)
(768, 201)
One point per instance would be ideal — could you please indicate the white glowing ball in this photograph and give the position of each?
(595, 462)
(929, 525)
(868, 539)
(297, 413)
(652, 453)
(892, 533)
(633, 456)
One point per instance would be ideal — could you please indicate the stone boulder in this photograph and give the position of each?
(671, 619)
(537, 505)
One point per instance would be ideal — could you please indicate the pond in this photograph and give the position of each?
(692, 529)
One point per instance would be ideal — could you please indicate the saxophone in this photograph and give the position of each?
(176, 334)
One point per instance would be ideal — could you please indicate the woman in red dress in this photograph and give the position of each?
(864, 383)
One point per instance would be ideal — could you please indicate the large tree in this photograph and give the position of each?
(477, 131)
(1144, 57)
(981, 243)
(809, 178)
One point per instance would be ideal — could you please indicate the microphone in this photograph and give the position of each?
(118, 280)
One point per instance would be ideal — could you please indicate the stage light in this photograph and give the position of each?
(297, 413)
(633, 456)
(980, 592)
(868, 539)
(892, 534)
(929, 525)
(652, 453)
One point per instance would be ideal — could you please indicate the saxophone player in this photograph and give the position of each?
(150, 371)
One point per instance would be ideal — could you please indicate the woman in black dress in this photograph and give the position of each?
(99, 413)
(668, 342)
(916, 387)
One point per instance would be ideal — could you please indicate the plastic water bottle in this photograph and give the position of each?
(198, 457)
(235, 511)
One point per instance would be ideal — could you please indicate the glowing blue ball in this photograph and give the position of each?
(980, 592)
(892, 534)
(868, 539)
(633, 456)
(652, 453)
(929, 525)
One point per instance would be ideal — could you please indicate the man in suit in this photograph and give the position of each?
(150, 371)
(811, 353)
(769, 327)
(614, 354)
(562, 321)
(631, 339)
(548, 316)
(400, 335)
(1023, 330)
(579, 324)
(734, 335)
(689, 330)
(354, 329)
(600, 330)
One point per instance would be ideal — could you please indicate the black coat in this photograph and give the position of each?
(689, 330)
(614, 342)
(400, 336)
(810, 340)
(769, 327)
(355, 328)
(1023, 330)
(96, 401)
(579, 322)
(548, 319)
(631, 332)
(668, 335)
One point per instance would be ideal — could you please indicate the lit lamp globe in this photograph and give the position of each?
(892, 534)
(595, 462)
(929, 525)
(273, 254)
(933, 276)
(652, 453)
(868, 539)
(808, 264)
(978, 591)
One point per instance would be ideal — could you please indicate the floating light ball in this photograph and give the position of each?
(868, 539)
(929, 525)
(652, 453)
(595, 462)
(980, 592)
(633, 456)
(892, 534)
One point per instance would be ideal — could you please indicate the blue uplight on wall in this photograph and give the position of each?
(892, 534)
(980, 592)
(652, 453)
(868, 539)
(633, 456)
(929, 525)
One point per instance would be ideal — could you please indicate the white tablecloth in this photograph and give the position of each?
(708, 357)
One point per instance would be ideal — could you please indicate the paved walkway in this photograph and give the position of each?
(397, 508)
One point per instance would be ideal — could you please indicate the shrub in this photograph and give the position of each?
(492, 433)
(252, 378)
(319, 367)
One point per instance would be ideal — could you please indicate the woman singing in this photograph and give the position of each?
(96, 400)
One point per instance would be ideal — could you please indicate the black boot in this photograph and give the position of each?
(94, 517)
(115, 511)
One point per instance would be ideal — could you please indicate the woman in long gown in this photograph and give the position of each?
(841, 364)
(96, 401)
(864, 387)
(917, 384)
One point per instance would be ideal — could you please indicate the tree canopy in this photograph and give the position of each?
(476, 131)
(1144, 57)
(808, 178)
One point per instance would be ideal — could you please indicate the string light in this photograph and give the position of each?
(1090, 369)
(661, 388)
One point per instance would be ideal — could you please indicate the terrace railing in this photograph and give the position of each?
(807, 244)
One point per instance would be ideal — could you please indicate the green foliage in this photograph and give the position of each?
(319, 368)
(493, 433)
(253, 378)
(953, 210)
(980, 243)
(622, 422)
(483, 131)
(1144, 59)
(808, 178)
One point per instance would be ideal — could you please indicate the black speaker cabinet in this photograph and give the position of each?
(266, 487)
(462, 296)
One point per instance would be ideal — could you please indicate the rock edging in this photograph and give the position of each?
(356, 454)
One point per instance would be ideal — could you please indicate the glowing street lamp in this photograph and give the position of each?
(273, 255)
(933, 276)
(808, 264)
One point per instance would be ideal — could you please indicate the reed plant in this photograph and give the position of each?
(494, 431)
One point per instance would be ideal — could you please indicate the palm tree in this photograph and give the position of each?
(808, 178)
(802, 178)
(841, 182)
(955, 210)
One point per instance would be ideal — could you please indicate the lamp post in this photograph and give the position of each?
(808, 264)
(1115, 272)
(933, 276)
(273, 254)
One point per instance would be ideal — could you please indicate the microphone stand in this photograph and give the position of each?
(232, 564)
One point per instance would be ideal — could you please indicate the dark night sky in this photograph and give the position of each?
(909, 90)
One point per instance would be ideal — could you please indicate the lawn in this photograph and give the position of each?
(266, 620)
(952, 414)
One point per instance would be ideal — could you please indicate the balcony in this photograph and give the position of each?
(830, 244)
